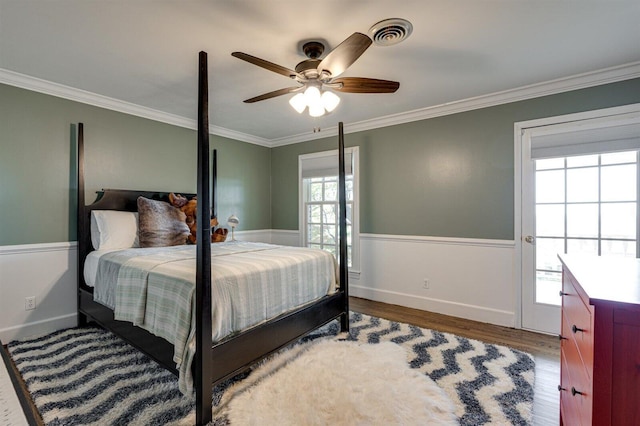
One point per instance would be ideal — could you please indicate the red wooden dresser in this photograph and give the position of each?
(600, 350)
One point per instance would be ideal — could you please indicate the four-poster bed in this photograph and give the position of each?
(214, 361)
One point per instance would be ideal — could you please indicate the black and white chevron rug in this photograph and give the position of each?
(89, 376)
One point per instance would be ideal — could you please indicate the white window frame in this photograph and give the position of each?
(355, 225)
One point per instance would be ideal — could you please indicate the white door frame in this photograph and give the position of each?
(519, 129)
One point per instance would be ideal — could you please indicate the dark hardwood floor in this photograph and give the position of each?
(31, 413)
(544, 348)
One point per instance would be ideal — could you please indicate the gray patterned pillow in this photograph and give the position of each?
(160, 224)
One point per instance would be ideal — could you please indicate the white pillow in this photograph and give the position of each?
(111, 229)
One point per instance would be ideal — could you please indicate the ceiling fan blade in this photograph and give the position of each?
(345, 54)
(266, 64)
(272, 94)
(364, 85)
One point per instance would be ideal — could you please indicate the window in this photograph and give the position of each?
(319, 206)
(584, 204)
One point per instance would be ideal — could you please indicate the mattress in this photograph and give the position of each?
(91, 266)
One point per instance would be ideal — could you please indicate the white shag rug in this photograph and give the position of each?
(338, 383)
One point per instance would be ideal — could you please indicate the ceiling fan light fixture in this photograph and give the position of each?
(330, 101)
(316, 110)
(312, 95)
(314, 101)
(298, 102)
(318, 102)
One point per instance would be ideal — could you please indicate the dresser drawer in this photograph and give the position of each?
(568, 408)
(576, 393)
(577, 322)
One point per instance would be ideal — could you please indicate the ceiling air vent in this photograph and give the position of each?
(390, 31)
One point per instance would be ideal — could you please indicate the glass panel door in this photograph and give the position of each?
(584, 204)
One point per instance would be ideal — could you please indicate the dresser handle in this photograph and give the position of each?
(561, 337)
(562, 293)
(574, 391)
(560, 388)
(576, 329)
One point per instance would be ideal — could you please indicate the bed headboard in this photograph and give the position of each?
(109, 199)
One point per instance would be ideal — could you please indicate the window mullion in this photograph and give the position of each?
(306, 190)
(599, 205)
(566, 207)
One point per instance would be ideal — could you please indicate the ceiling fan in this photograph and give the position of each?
(317, 78)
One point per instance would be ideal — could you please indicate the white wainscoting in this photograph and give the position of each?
(468, 278)
(46, 271)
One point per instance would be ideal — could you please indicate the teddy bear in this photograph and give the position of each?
(188, 207)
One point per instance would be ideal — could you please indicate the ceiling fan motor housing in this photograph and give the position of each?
(313, 49)
(308, 68)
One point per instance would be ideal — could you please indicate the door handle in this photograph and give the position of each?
(530, 239)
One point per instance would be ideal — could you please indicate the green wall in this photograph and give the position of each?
(37, 165)
(451, 176)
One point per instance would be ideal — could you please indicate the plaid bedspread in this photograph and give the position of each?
(154, 288)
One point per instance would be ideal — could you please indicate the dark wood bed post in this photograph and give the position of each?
(230, 356)
(342, 196)
(81, 223)
(203, 365)
(214, 177)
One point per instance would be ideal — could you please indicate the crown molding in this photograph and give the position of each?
(39, 85)
(35, 84)
(566, 84)
(238, 136)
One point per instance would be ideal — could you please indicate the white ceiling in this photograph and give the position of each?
(144, 52)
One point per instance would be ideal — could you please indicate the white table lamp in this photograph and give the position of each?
(233, 221)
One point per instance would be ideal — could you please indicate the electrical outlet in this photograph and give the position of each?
(29, 303)
(425, 284)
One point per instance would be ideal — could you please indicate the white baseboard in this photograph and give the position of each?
(38, 327)
(446, 307)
